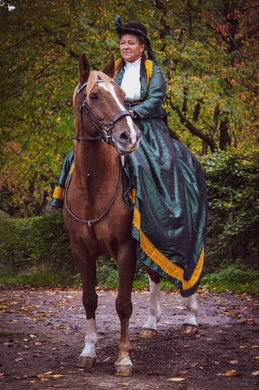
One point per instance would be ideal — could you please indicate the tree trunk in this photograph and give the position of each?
(224, 138)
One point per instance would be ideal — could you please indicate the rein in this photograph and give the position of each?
(91, 222)
(103, 135)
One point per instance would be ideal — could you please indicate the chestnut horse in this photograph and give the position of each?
(95, 215)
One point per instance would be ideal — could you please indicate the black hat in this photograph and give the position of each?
(135, 28)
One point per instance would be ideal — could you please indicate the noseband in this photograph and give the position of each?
(103, 135)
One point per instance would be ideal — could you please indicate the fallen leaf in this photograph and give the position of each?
(44, 379)
(230, 373)
(176, 379)
(56, 376)
(233, 361)
(35, 319)
(37, 354)
(183, 372)
(44, 374)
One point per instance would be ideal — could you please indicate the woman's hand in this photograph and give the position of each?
(133, 114)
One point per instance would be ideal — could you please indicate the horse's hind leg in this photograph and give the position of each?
(87, 358)
(150, 327)
(190, 324)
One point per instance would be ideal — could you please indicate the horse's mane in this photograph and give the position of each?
(94, 76)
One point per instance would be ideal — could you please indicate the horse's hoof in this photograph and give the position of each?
(86, 362)
(123, 370)
(147, 333)
(189, 329)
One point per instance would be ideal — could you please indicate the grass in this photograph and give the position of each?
(232, 278)
(40, 277)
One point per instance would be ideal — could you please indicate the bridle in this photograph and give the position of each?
(103, 135)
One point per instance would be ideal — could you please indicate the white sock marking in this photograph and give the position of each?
(192, 310)
(90, 339)
(154, 306)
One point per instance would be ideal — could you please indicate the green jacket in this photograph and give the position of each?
(152, 93)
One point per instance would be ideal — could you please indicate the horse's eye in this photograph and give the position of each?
(93, 96)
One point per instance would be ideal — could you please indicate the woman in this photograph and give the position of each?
(166, 191)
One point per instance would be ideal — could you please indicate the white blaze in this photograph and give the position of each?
(110, 88)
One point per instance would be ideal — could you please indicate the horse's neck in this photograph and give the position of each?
(96, 167)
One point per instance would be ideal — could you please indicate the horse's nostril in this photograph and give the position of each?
(124, 136)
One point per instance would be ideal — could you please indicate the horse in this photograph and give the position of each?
(95, 215)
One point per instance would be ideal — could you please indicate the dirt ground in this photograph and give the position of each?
(42, 333)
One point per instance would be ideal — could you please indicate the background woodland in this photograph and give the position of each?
(208, 51)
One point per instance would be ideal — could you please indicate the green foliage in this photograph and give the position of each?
(35, 246)
(207, 51)
(107, 273)
(233, 194)
(233, 277)
(37, 276)
(37, 250)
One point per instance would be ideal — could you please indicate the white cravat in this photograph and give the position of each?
(131, 80)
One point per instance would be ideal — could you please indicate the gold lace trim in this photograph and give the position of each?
(165, 264)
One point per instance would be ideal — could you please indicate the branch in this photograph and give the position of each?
(195, 130)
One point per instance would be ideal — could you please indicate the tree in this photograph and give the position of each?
(211, 82)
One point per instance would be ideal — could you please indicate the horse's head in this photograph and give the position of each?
(100, 111)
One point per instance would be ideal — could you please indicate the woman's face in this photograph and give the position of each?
(130, 47)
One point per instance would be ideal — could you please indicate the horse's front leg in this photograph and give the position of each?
(190, 324)
(150, 327)
(87, 359)
(126, 265)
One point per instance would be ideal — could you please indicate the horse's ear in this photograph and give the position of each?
(109, 68)
(83, 68)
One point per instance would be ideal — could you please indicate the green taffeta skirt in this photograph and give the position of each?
(168, 198)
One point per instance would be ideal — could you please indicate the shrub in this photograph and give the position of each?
(233, 196)
(235, 277)
(40, 245)
(34, 243)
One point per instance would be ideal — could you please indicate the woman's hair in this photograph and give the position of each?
(142, 40)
